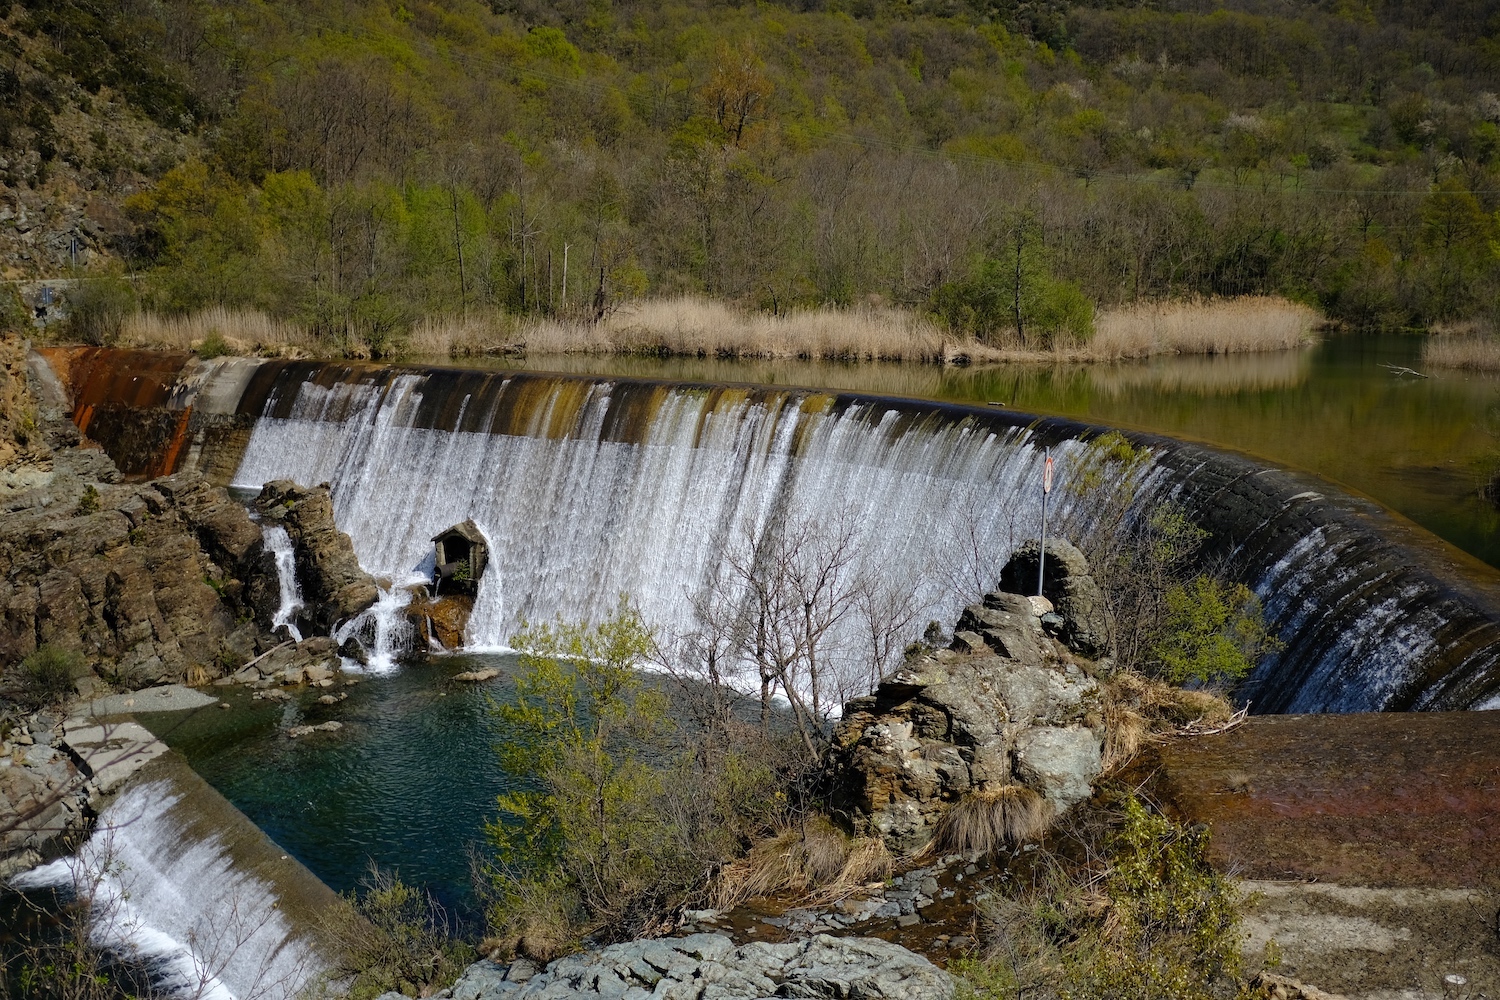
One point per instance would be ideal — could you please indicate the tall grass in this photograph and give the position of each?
(1210, 326)
(1474, 346)
(243, 331)
(693, 326)
(689, 326)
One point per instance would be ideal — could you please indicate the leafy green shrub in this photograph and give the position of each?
(98, 308)
(618, 814)
(394, 937)
(214, 346)
(1214, 631)
(47, 674)
(1147, 916)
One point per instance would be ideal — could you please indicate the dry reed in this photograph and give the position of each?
(1212, 326)
(688, 326)
(1473, 346)
(813, 860)
(693, 326)
(245, 331)
(984, 822)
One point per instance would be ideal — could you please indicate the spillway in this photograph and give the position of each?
(591, 487)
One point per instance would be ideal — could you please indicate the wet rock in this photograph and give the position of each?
(334, 586)
(476, 676)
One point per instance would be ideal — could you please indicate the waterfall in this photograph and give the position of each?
(581, 507)
(279, 543)
(589, 488)
(163, 895)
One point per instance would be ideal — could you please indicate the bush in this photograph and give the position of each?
(98, 308)
(1145, 916)
(214, 346)
(394, 937)
(1214, 632)
(47, 675)
(619, 815)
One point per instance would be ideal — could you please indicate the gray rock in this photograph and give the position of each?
(1061, 762)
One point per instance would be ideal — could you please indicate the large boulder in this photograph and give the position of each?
(139, 579)
(334, 586)
(1070, 587)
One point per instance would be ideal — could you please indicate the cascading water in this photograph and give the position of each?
(586, 488)
(165, 897)
(279, 543)
(580, 509)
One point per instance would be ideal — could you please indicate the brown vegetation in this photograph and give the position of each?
(992, 819)
(1472, 346)
(693, 326)
(1139, 710)
(813, 859)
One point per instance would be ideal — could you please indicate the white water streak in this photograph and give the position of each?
(279, 543)
(177, 904)
(575, 521)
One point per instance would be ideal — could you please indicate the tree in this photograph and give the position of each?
(1213, 631)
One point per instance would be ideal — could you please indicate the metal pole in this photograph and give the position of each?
(1041, 562)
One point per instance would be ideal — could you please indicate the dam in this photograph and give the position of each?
(592, 486)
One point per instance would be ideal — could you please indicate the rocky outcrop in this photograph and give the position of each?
(710, 967)
(334, 587)
(1009, 707)
(143, 580)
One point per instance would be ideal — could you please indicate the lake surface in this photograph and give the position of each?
(408, 783)
(1421, 447)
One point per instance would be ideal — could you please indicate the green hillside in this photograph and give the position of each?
(364, 162)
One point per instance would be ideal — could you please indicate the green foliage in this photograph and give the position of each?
(214, 346)
(47, 675)
(367, 163)
(582, 828)
(1013, 289)
(98, 307)
(1214, 632)
(1148, 917)
(88, 503)
(14, 316)
(393, 936)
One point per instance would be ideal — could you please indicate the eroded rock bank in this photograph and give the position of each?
(123, 586)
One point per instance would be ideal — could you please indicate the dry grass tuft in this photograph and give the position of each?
(1474, 346)
(815, 859)
(1139, 711)
(986, 821)
(197, 676)
(245, 332)
(1211, 326)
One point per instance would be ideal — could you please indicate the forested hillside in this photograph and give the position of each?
(363, 162)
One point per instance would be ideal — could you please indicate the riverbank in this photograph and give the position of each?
(689, 326)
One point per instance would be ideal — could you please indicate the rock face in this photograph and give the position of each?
(1007, 705)
(710, 967)
(141, 579)
(334, 587)
(1069, 586)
